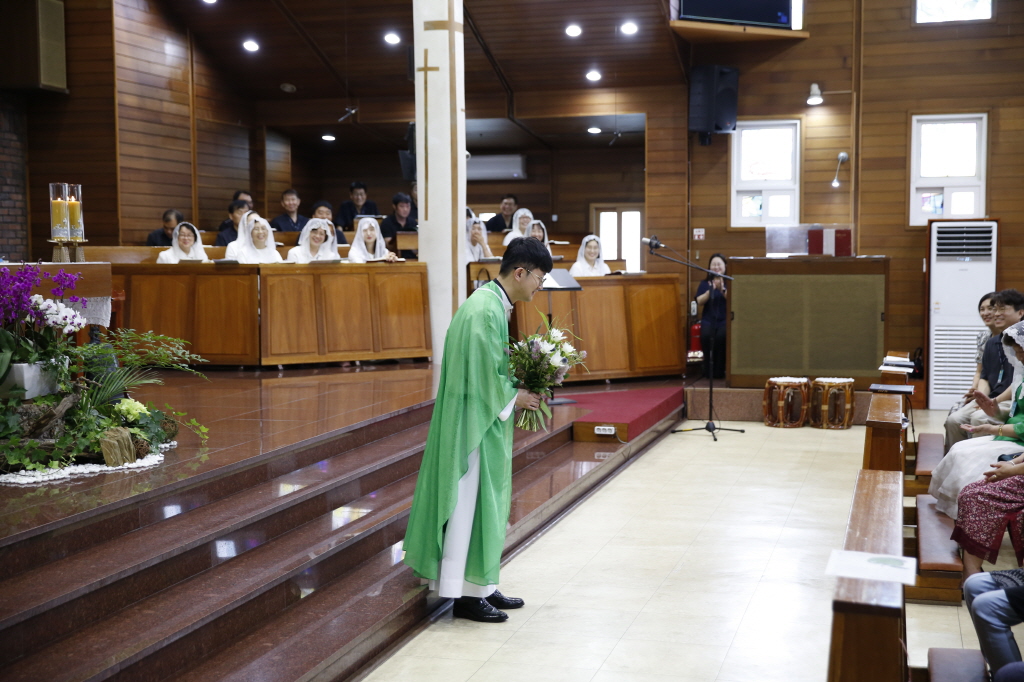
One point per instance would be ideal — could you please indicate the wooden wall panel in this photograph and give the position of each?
(279, 170)
(934, 69)
(73, 137)
(153, 89)
(222, 167)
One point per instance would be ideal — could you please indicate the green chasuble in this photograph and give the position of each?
(474, 389)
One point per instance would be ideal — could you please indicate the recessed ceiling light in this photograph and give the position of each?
(251, 45)
(392, 39)
(573, 30)
(209, 2)
(593, 75)
(288, 87)
(593, 131)
(327, 138)
(629, 28)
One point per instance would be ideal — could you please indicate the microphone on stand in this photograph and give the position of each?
(652, 242)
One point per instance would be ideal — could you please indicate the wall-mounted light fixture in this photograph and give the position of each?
(815, 96)
(843, 158)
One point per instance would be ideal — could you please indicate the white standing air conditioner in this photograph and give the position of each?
(496, 167)
(962, 269)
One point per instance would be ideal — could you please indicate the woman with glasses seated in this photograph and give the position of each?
(316, 243)
(589, 262)
(185, 245)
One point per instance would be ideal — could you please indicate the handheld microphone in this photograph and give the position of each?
(652, 242)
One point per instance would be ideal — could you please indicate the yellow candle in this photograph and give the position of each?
(59, 228)
(75, 218)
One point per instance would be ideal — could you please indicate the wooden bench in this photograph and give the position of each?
(928, 454)
(868, 616)
(939, 568)
(885, 439)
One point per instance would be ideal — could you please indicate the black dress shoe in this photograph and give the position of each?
(500, 601)
(478, 610)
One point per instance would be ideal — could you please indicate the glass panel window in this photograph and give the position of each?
(766, 154)
(961, 203)
(609, 227)
(631, 235)
(949, 150)
(931, 203)
(779, 206)
(750, 205)
(933, 11)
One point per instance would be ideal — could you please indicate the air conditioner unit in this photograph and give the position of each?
(962, 269)
(496, 167)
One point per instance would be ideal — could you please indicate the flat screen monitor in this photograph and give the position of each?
(774, 13)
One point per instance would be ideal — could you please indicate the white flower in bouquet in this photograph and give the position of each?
(540, 362)
(545, 346)
(556, 335)
(567, 349)
(556, 360)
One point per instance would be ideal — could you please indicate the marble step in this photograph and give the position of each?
(79, 528)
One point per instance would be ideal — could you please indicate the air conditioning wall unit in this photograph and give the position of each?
(961, 269)
(496, 167)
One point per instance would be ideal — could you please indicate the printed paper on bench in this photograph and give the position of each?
(867, 566)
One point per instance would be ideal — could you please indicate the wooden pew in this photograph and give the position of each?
(148, 254)
(885, 437)
(868, 616)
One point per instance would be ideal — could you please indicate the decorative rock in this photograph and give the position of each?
(117, 446)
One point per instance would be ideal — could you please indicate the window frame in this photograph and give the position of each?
(952, 22)
(916, 219)
(619, 207)
(739, 188)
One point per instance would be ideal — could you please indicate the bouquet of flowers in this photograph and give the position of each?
(540, 362)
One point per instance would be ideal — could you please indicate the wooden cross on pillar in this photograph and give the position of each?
(426, 153)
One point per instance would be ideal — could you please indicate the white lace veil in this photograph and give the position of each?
(357, 253)
(529, 231)
(195, 253)
(246, 251)
(581, 257)
(474, 252)
(1015, 332)
(516, 232)
(328, 250)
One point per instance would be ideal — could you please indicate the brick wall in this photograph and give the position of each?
(13, 180)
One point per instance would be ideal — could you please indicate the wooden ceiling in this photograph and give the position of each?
(334, 50)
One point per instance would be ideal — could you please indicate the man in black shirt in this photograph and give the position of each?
(240, 195)
(162, 237)
(357, 204)
(236, 209)
(399, 220)
(503, 219)
(290, 220)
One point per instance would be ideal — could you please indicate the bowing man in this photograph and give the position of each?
(185, 245)
(460, 509)
(254, 244)
(589, 262)
(368, 244)
(316, 243)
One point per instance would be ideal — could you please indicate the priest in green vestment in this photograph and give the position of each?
(463, 493)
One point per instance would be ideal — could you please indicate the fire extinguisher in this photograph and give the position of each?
(695, 347)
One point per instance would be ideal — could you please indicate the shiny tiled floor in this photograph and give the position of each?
(700, 562)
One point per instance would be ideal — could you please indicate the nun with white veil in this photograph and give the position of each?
(368, 244)
(589, 261)
(255, 242)
(968, 460)
(316, 243)
(520, 224)
(476, 241)
(185, 245)
(539, 231)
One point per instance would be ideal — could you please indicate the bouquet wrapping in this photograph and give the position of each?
(540, 362)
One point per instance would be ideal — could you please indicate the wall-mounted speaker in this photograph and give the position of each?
(713, 100)
(32, 45)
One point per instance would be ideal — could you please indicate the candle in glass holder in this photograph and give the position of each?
(75, 213)
(60, 227)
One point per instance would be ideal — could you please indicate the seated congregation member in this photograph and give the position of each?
(185, 245)
(368, 244)
(316, 243)
(357, 204)
(502, 220)
(588, 260)
(399, 220)
(712, 294)
(240, 195)
(290, 220)
(162, 237)
(996, 603)
(255, 243)
(324, 211)
(520, 223)
(996, 371)
(476, 241)
(539, 231)
(969, 461)
(236, 209)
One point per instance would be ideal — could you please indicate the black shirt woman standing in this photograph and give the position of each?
(712, 294)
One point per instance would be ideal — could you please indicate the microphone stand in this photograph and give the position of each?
(710, 427)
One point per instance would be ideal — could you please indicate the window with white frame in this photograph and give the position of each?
(765, 173)
(935, 11)
(948, 155)
(620, 227)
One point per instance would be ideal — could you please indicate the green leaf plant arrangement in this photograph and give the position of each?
(94, 381)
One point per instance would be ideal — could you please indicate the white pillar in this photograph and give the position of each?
(441, 156)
